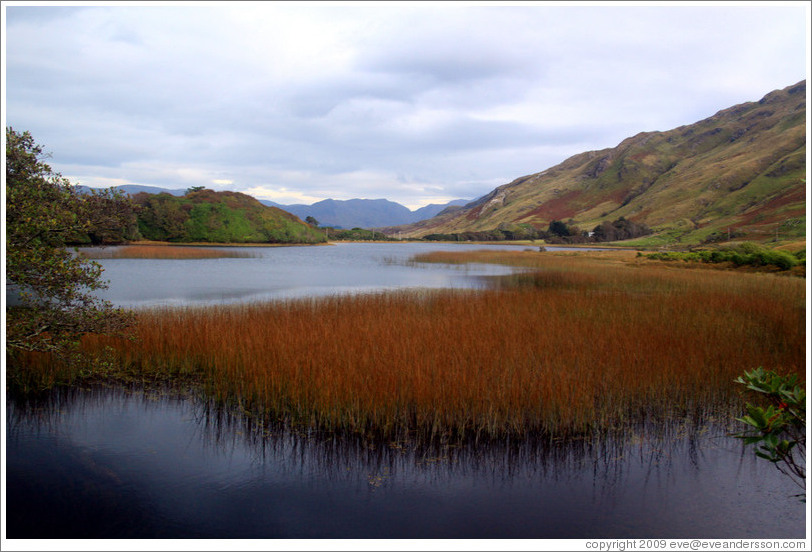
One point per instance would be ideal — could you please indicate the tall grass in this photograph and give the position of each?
(582, 345)
(162, 252)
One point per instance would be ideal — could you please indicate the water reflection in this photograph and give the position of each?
(286, 273)
(114, 462)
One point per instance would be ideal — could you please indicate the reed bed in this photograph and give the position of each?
(582, 345)
(162, 252)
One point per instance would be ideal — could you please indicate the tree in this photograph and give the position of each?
(53, 303)
(311, 220)
(559, 228)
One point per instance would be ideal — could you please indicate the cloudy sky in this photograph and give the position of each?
(414, 102)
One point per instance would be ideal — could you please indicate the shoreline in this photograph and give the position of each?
(485, 364)
(202, 244)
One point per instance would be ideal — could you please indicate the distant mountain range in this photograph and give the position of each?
(351, 213)
(363, 213)
(133, 189)
(739, 172)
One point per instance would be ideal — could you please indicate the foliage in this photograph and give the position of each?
(505, 232)
(218, 217)
(747, 253)
(358, 234)
(53, 301)
(522, 231)
(557, 232)
(487, 235)
(560, 229)
(620, 229)
(722, 236)
(779, 429)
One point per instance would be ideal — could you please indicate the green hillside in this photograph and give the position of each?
(738, 173)
(218, 217)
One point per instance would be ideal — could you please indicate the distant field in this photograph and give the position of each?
(586, 342)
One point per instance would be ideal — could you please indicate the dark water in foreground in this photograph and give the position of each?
(111, 463)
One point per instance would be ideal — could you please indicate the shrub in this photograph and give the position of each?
(745, 254)
(779, 429)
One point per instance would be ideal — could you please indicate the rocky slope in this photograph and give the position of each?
(740, 172)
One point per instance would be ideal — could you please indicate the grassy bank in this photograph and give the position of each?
(152, 251)
(743, 254)
(586, 342)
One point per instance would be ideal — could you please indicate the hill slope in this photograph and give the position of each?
(218, 217)
(740, 171)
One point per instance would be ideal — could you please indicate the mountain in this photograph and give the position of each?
(133, 189)
(434, 209)
(362, 213)
(218, 217)
(739, 172)
(352, 213)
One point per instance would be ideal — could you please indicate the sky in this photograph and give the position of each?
(413, 102)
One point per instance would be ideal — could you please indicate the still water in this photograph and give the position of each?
(288, 272)
(113, 463)
(116, 463)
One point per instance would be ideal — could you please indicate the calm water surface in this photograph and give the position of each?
(288, 272)
(112, 463)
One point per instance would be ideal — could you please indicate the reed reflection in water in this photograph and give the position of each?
(119, 463)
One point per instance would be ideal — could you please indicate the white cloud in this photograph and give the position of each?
(281, 195)
(412, 102)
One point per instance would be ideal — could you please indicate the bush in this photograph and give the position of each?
(781, 259)
(779, 429)
(745, 254)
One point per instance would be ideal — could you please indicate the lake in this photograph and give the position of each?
(117, 463)
(135, 463)
(288, 272)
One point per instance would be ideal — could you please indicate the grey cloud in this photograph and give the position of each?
(447, 99)
(40, 14)
(317, 101)
(448, 61)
